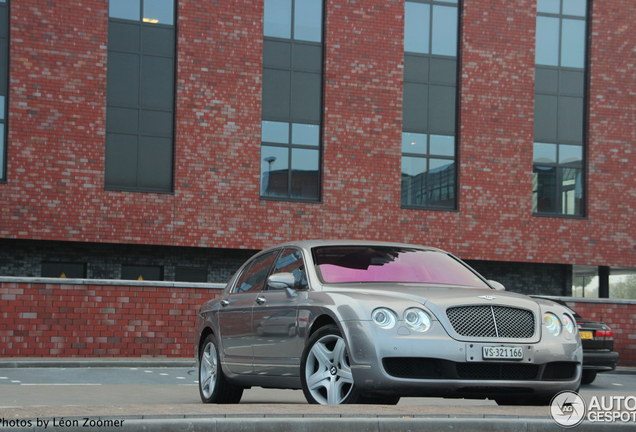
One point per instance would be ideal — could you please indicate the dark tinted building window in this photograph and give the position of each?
(140, 95)
(558, 161)
(64, 270)
(191, 274)
(429, 104)
(292, 99)
(4, 85)
(134, 272)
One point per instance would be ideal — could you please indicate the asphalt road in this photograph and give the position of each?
(86, 387)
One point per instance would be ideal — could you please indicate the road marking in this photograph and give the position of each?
(617, 384)
(163, 374)
(59, 384)
(15, 381)
(148, 371)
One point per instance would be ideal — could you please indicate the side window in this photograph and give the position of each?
(253, 277)
(291, 261)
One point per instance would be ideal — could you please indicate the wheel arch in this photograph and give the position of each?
(207, 330)
(320, 321)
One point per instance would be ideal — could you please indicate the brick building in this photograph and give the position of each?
(171, 139)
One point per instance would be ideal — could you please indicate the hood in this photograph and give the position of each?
(438, 299)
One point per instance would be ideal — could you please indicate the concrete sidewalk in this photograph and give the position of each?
(270, 417)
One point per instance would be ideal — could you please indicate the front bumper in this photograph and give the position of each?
(601, 361)
(433, 364)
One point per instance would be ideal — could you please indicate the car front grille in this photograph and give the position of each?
(438, 369)
(413, 367)
(559, 371)
(497, 371)
(492, 321)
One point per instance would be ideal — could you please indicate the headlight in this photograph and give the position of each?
(552, 323)
(568, 323)
(385, 318)
(417, 319)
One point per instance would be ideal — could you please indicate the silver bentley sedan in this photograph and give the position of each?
(371, 322)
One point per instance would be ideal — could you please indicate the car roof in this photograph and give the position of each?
(309, 244)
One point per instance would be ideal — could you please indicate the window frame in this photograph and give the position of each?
(140, 107)
(291, 120)
(559, 141)
(429, 129)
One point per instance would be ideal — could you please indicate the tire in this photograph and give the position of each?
(325, 372)
(213, 386)
(588, 376)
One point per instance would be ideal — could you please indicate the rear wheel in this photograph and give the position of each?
(325, 370)
(588, 376)
(213, 387)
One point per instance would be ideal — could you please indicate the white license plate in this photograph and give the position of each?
(502, 353)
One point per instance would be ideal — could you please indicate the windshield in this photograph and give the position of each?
(345, 264)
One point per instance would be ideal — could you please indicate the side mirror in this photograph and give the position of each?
(496, 285)
(281, 280)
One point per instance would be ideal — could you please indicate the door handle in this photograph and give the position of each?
(260, 300)
(225, 302)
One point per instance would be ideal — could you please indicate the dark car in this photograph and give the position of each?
(598, 345)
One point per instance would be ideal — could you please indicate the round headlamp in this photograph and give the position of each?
(552, 323)
(384, 318)
(568, 324)
(417, 319)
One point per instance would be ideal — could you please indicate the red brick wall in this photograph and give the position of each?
(70, 320)
(55, 187)
(620, 316)
(74, 320)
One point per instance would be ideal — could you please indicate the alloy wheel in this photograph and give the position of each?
(327, 371)
(208, 370)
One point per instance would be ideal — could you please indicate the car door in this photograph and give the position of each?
(277, 345)
(235, 314)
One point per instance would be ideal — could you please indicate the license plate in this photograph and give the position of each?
(502, 353)
(586, 335)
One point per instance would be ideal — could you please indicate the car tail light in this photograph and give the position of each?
(604, 333)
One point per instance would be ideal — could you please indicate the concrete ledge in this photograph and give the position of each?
(95, 362)
(303, 424)
(106, 282)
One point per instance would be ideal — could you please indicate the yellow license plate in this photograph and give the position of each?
(586, 335)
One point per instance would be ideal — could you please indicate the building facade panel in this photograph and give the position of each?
(55, 187)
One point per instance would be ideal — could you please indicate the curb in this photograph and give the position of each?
(295, 423)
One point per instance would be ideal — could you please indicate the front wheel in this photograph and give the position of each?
(213, 387)
(325, 370)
